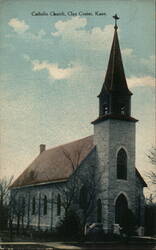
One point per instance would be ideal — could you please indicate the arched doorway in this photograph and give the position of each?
(121, 209)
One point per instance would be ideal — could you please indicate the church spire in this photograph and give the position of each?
(115, 97)
(115, 79)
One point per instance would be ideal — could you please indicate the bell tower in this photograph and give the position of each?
(114, 137)
(115, 97)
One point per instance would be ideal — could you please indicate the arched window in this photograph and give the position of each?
(58, 204)
(122, 109)
(99, 210)
(45, 205)
(121, 209)
(23, 206)
(33, 205)
(83, 197)
(105, 108)
(122, 164)
(139, 210)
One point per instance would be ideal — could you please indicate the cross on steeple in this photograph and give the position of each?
(116, 18)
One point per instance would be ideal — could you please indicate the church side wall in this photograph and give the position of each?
(38, 220)
(101, 140)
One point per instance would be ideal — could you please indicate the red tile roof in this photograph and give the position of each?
(56, 163)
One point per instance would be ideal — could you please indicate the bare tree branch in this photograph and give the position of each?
(4, 189)
(70, 192)
(152, 158)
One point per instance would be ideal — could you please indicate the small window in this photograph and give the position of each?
(45, 205)
(83, 198)
(122, 164)
(33, 205)
(105, 109)
(23, 206)
(99, 210)
(122, 109)
(58, 204)
(139, 210)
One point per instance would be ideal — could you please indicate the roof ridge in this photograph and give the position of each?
(61, 145)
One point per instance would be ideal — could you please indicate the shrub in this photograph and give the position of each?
(69, 228)
(150, 219)
(129, 224)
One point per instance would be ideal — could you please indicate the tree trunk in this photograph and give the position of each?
(18, 224)
(28, 221)
(51, 226)
(10, 229)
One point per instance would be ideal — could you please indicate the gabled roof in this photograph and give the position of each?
(140, 178)
(115, 80)
(56, 164)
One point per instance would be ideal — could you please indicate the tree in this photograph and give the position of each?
(69, 191)
(150, 210)
(89, 192)
(150, 216)
(16, 211)
(129, 223)
(11, 206)
(4, 200)
(81, 189)
(152, 157)
(4, 189)
(69, 227)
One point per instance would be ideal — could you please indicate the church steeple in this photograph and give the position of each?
(115, 79)
(115, 97)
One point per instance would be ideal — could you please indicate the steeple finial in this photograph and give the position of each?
(116, 18)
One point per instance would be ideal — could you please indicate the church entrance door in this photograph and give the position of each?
(121, 209)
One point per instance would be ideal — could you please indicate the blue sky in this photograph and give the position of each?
(52, 69)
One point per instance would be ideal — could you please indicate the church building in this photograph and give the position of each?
(116, 185)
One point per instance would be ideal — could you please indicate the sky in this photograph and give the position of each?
(52, 68)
